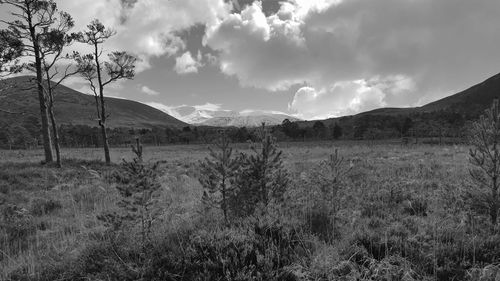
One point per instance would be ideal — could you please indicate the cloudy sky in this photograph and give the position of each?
(309, 58)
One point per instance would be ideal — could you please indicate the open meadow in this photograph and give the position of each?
(249, 140)
(397, 213)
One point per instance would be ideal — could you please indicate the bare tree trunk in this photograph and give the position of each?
(102, 121)
(55, 135)
(47, 143)
(47, 146)
(105, 143)
(494, 200)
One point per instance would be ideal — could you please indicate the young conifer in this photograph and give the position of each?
(329, 176)
(262, 178)
(217, 171)
(138, 185)
(485, 157)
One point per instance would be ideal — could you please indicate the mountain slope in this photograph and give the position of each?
(467, 105)
(197, 116)
(214, 117)
(472, 101)
(247, 120)
(71, 107)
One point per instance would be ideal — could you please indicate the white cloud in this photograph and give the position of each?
(352, 54)
(148, 91)
(436, 46)
(209, 107)
(185, 63)
(174, 109)
(249, 43)
(254, 112)
(349, 97)
(146, 28)
(170, 110)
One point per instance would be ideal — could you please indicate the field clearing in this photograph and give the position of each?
(293, 152)
(397, 201)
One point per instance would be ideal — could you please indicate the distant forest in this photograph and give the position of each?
(433, 127)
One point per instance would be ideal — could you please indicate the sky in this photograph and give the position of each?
(312, 59)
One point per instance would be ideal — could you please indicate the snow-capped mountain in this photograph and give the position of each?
(195, 115)
(247, 121)
(213, 115)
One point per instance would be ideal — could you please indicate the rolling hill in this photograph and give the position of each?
(469, 103)
(472, 101)
(19, 95)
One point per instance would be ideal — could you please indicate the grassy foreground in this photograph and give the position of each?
(399, 216)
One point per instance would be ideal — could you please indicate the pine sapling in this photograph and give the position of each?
(217, 171)
(138, 186)
(330, 174)
(328, 177)
(137, 149)
(262, 178)
(485, 157)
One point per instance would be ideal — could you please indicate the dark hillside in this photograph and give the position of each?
(72, 107)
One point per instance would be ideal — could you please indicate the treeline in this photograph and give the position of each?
(28, 136)
(437, 125)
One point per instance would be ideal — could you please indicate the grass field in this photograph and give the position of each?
(399, 215)
(196, 152)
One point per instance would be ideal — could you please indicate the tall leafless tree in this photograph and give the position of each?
(100, 72)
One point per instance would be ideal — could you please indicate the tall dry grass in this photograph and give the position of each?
(399, 214)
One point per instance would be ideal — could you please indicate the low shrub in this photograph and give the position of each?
(16, 228)
(320, 223)
(390, 268)
(17, 223)
(43, 206)
(106, 260)
(255, 250)
(416, 206)
(488, 273)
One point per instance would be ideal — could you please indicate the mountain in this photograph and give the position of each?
(215, 117)
(198, 116)
(248, 120)
(469, 103)
(472, 101)
(71, 107)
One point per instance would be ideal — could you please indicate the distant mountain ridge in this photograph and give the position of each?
(248, 121)
(196, 116)
(227, 118)
(18, 94)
